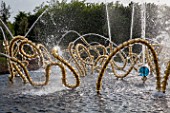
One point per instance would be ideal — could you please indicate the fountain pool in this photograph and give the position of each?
(121, 96)
(95, 78)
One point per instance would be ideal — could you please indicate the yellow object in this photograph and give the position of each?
(96, 56)
(121, 46)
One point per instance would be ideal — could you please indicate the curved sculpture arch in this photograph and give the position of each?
(117, 49)
(19, 65)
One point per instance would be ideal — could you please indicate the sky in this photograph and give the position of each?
(29, 5)
(22, 5)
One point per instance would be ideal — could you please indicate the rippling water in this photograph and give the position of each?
(117, 96)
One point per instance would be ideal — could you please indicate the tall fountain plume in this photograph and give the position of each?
(143, 27)
(131, 27)
(108, 25)
(7, 28)
(35, 22)
(132, 20)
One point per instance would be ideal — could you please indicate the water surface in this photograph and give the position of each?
(129, 95)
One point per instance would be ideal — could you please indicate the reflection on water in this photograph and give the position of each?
(118, 96)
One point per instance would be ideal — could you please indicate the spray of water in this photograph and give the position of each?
(3, 34)
(35, 22)
(71, 31)
(6, 28)
(143, 27)
(108, 22)
(132, 21)
(58, 50)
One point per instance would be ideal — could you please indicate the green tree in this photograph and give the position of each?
(21, 23)
(4, 12)
(4, 15)
(76, 15)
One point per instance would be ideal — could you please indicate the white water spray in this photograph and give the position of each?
(35, 22)
(6, 28)
(132, 21)
(71, 31)
(143, 27)
(108, 22)
(58, 50)
(3, 34)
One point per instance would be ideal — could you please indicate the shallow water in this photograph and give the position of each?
(129, 95)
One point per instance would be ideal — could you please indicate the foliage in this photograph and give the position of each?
(120, 19)
(83, 17)
(21, 23)
(4, 12)
(4, 16)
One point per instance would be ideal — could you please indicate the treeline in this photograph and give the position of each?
(82, 17)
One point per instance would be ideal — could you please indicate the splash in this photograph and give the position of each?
(58, 49)
(54, 85)
(81, 58)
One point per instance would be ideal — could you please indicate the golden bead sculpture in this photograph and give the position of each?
(19, 65)
(165, 78)
(83, 55)
(63, 62)
(16, 46)
(45, 54)
(121, 46)
(74, 56)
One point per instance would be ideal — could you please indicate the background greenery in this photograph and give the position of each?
(82, 17)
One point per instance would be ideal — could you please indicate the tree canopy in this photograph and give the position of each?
(84, 18)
